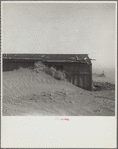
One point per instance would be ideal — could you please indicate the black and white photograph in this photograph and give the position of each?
(79, 80)
(59, 59)
(56, 85)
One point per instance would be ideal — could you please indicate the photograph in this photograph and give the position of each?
(56, 85)
(71, 72)
(58, 74)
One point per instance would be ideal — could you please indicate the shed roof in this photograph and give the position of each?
(82, 58)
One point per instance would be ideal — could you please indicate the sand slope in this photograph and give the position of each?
(26, 92)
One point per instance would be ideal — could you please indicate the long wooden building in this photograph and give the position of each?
(78, 66)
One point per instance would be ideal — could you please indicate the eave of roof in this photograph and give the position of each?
(71, 58)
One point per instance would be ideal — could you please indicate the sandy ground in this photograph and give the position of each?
(26, 92)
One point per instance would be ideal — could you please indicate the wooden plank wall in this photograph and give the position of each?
(80, 75)
(9, 65)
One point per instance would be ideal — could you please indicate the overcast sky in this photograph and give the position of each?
(81, 28)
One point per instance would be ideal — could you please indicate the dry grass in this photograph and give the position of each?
(57, 74)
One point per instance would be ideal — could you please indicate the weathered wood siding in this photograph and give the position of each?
(80, 74)
(9, 65)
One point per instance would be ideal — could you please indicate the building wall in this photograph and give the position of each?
(78, 74)
(10, 65)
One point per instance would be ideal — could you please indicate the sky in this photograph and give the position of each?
(61, 28)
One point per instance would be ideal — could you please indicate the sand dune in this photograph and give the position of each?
(26, 92)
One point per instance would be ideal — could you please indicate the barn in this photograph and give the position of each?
(77, 66)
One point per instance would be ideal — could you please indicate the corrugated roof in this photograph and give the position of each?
(51, 57)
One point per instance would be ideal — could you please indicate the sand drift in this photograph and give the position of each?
(26, 92)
